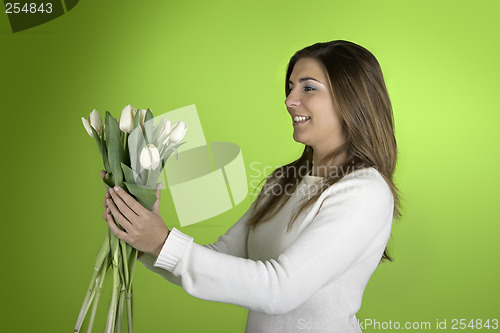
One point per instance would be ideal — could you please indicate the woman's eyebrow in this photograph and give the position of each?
(305, 79)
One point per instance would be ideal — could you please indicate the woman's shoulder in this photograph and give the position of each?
(364, 173)
(368, 181)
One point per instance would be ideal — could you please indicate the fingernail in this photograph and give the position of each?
(116, 188)
(110, 191)
(107, 201)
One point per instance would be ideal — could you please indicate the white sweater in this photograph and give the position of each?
(311, 278)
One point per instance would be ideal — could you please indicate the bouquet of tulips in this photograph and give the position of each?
(134, 152)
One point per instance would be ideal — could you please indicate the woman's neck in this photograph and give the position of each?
(322, 170)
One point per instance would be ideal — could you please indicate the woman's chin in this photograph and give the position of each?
(298, 139)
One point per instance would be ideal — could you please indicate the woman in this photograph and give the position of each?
(301, 256)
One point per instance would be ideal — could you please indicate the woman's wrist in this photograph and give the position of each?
(157, 251)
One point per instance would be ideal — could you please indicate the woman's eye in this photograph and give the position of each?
(309, 88)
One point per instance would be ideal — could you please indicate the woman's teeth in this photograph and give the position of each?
(297, 119)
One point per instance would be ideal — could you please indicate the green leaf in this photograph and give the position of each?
(104, 155)
(130, 175)
(167, 152)
(102, 149)
(148, 127)
(108, 181)
(153, 175)
(146, 196)
(149, 115)
(136, 119)
(177, 145)
(113, 244)
(156, 132)
(115, 148)
(97, 139)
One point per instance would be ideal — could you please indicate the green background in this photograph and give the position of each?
(440, 61)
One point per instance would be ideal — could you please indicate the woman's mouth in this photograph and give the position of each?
(299, 120)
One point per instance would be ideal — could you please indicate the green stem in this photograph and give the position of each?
(130, 309)
(124, 255)
(126, 155)
(85, 307)
(99, 283)
(110, 323)
(101, 256)
(119, 320)
(132, 260)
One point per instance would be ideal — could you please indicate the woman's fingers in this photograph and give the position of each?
(122, 206)
(107, 196)
(118, 215)
(114, 228)
(129, 200)
(105, 214)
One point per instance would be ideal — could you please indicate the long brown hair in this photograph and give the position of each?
(362, 102)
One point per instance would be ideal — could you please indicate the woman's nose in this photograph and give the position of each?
(291, 100)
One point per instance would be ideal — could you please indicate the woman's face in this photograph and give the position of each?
(311, 96)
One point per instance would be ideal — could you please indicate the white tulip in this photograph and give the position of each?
(96, 122)
(127, 119)
(165, 128)
(177, 134)
(150, 157)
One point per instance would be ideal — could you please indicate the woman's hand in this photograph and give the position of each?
(107, 211)
(144, 230)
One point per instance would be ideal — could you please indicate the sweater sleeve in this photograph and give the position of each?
(349, 216)
(233, 242)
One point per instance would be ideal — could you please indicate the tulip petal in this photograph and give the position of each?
(155, 157)
(177, 132)
(87, 126)
(163, 132)
(145, 159)
(96, 122)
(126, 119)
(135, 145)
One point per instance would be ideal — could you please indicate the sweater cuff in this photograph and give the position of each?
(172, 250)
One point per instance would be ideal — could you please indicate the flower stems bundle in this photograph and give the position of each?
(134, 153)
